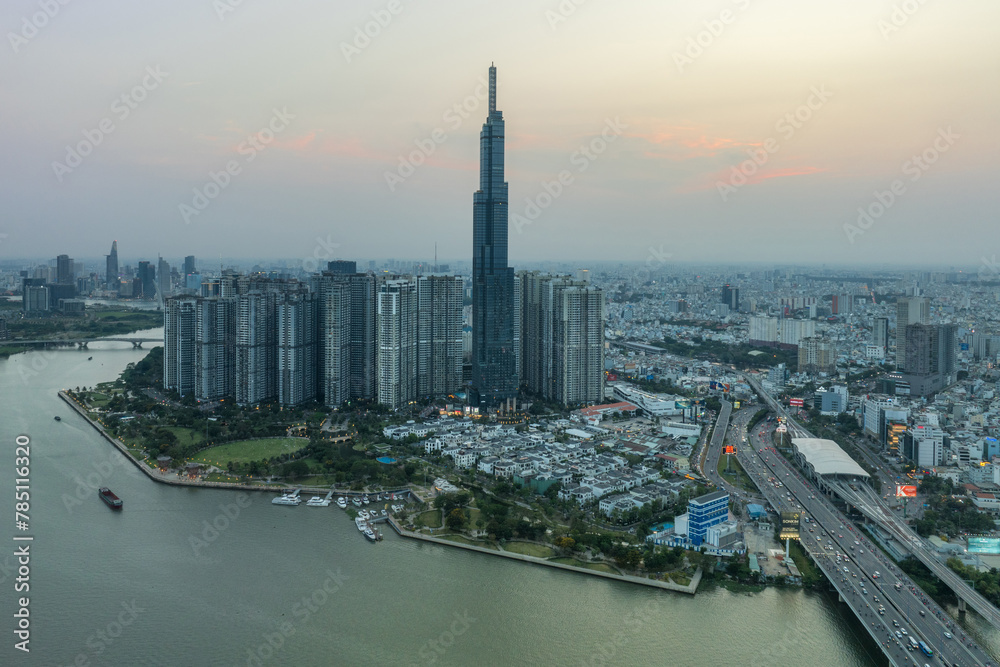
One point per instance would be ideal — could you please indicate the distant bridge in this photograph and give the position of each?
(82, 342)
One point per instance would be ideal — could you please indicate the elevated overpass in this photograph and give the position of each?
(866, 501)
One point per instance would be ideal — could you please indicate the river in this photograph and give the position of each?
(187, 576)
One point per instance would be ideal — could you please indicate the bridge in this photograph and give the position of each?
(82, 342)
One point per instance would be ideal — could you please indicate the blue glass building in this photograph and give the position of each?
(704, 512)
(494, 375)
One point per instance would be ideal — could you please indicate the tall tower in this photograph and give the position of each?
(111, 273)
(494, 376)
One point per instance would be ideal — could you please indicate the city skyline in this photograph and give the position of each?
(675, 97)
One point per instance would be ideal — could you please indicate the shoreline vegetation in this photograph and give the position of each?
(563, 562)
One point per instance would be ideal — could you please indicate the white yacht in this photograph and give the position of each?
(286, 499)
(370, 534)
(356, 501)
(364, 499)
(361, 524)
(318, 501)
(363, 515)
(342, 503)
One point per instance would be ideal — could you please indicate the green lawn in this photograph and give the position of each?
(96, 399)
(464, 540)
(244, 451)
(430, 519)
(529, 549)
(186, 436)
(599, 567)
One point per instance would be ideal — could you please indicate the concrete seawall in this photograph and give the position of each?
(690, 589)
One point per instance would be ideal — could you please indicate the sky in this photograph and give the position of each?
(721, 131)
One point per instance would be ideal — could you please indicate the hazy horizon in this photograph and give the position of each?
(835, 102)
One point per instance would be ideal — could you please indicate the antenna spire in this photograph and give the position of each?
(493, 89)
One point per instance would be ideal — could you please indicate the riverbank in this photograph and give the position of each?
(690, 589)
(157, 476)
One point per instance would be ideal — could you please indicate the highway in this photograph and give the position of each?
(870, 504)
(829, 537)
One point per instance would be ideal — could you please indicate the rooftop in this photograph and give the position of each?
(827, 458)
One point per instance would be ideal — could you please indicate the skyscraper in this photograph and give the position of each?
(189, 265)
(111, 268)
(494, 378)
(147, 280)
(64, 269)
(912, 310)
(880, 332)
(296, 342)
(396, 353)
(439, 335)
(731, 297)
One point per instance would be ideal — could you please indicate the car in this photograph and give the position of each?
(948, 635)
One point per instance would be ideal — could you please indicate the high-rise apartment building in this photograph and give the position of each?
(333, 308)
(396, 331)
(163, 278)
(179, 344)
(817, 355)
(295, 313)
(880, 332)
(256, 352)
(494, 378)
(562, 338)
(215, 348)
(439, 335)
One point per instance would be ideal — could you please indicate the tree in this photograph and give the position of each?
(456, 519)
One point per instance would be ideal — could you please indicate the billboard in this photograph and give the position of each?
(984, 545)
(906, 491)
(789, 525)
(736, 405)
(797, 402)
(729, 449)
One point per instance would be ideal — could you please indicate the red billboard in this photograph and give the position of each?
(797, 402)
(906, 491)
